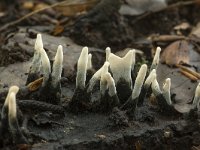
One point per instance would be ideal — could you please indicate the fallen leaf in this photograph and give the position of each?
(40, 6)
(138, 145)
(76, 7)
(28, 5)
(176, 53)
(181, 87)
(196, 30)
(182, 26)
(33, 86)
(58, 29)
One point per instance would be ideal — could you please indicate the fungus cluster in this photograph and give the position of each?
(113, 81)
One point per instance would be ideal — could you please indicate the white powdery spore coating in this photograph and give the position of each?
(12, 112)
(12, 89)
(36, 62)
(196, 100)
(133, 63)
(156, 58)
(139, 81)
(108, 51)
(89, 65)
(150, 78)
(111, 85)
(166, 90)
(45, 65)
(82, 68)
(57, 66)
(121, 67)
(38, 42)
(155, 87)
(97, 76)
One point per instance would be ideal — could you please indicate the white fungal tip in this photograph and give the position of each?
(150, 78)
(139, 81)
(12, 112)
(104, 69)
(82, 68)
(36, 62)
(111, 84)
(45, 65)
(57, 66)
(108, 51)
(89, 65)
(133, 61)
(38, 42)
(12, 89)
(196, 100)
(129, 57)
(121, 67)
(155, 87)
(97, 76)
(156, 59)
(166, 90)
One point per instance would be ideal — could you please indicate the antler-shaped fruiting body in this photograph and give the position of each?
(97, 76)
(196, 100)
(9, 121)
(121, 71)
(81, 99)
(90, 70)
(146, 89)
(163, 97)
(114, 79)
(34, 72)
(132, 102)
(109, 98)
(50, 90)
(156, 59)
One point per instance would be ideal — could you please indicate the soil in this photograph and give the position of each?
(102, 26)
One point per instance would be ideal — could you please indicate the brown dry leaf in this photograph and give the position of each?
(196, 30)
(176, 53)
(40, 6)
(23, 147)
(181, 86)
(33, 86)
(76, 7)
(28, 5)
(58, 29)
(166, 38)
(138, 145)
(182, 26)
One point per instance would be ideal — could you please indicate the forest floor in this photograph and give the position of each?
(175, 27)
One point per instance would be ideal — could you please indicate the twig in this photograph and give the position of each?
(189, 75)
(10, 24)
(196, 74)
